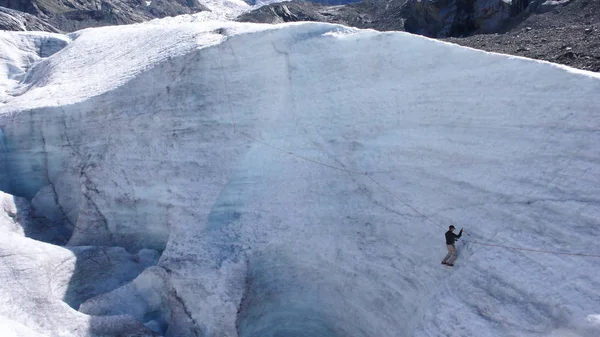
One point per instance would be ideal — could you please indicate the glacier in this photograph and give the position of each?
(178, 178)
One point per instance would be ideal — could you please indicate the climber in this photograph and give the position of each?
(450, 239)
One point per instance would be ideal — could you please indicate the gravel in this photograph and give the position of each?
(568, 34)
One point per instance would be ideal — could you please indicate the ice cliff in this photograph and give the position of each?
(222, 179)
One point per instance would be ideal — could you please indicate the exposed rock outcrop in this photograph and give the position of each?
(19, 21)
(70, 15)
(442, 18)
(379, 15)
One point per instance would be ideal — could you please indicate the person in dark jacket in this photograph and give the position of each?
(450, 239)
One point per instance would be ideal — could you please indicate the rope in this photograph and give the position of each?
(300, 157)
(402, 201)
(371, 178)
(531, 250)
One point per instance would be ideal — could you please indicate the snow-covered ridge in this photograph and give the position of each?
(137, 137)
(20, 52)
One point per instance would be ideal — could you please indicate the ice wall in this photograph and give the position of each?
(272, 167)
(42, 283)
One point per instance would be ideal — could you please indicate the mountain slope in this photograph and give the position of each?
(567, 34)
(70, 15)
(18, 21)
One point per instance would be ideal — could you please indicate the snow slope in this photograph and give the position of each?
(283, 172)
(19, 52)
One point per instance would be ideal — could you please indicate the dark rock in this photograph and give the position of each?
(19, 21)
(442, 18)
(71, 15)
(567, 55)
(574, 27)
(382, 15)
(288, 12)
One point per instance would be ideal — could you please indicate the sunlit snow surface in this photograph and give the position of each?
(140, 137)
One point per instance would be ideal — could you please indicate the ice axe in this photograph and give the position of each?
(464, 231)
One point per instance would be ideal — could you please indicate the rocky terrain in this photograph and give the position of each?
(71, 15)
(566, 34)
(16, 20)
(382, 15)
